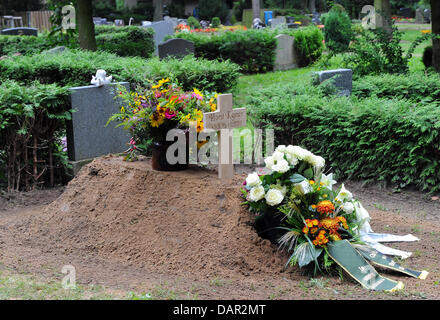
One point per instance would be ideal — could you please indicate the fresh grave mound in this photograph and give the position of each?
(184, 222)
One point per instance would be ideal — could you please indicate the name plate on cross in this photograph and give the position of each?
(224, 120)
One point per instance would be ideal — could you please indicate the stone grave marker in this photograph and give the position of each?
(342, 79)
(224, 119)
(427, 15)
(284, 53)
(87, 134)
(176, 48)
(278, 22)
(161, 30)
(419, 16)
(173, 21)
(22, 31)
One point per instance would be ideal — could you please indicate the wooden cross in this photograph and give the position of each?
(223, 120)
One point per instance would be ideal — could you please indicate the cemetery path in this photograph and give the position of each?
(184, 235)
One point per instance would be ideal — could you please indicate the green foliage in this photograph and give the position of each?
(308, 44)
(125, 41)
(209, 9)
(362, 137)
(252, 50)
(193, 23)
(30, 118)
(76, 67)
(215, 23)
(338, 32)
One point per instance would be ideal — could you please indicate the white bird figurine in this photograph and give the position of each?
(101, 78)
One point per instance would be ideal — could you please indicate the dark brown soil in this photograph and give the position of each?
(125, 226)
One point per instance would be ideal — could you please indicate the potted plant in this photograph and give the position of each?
(149, 113)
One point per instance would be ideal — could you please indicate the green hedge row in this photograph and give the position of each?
(75, 68)
(254, 50)
(370, 139)
(30, 118)
(123, 41)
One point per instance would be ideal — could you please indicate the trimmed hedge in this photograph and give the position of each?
(252, 50)
(31, 117)
(308, 44)
(76, 68)
(370, 139)
(123, 41)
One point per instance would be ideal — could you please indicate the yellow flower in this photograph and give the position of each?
(198, 92)
(213, 107)
(122, 109)
(199, 126)
(156, 119)
(199, 115)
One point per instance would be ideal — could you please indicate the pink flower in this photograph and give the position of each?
(169, 113)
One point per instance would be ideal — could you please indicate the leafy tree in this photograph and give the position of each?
(213, 8)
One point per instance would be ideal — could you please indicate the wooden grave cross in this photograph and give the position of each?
(224, 119)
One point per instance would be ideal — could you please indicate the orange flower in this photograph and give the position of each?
(305, 230)
(325, 207)
(331, 224)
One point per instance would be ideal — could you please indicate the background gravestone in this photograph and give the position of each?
(176, 48)
(420, 18)
(161, 30)
(87, 135)
(20, 32)
(284, 53)
(342, 79)
(278, 22)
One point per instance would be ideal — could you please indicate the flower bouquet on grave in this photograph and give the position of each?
(321, 227)
(150, 113)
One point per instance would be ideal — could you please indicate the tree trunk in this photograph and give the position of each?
(312, 6)
(255, 9)
(383, 14)
(158, 10)
(435, 21)
(86, 27)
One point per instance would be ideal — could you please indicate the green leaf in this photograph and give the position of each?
(296, 178)
(306, 253)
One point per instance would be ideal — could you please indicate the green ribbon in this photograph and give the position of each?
(384, 261)
(346, 256)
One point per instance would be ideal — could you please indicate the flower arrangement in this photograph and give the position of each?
(313, 212)
(149, 113)
(319, 223)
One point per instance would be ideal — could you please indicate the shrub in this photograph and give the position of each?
(338, 33)
(30, 119)
(215, 23)
(427, 57)
(308, 45)
(372, 139)
(193, 23)
(253, 50)
(123, 41)
(76, 67)
(126, 41)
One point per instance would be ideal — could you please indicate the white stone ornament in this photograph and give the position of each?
(101, 78)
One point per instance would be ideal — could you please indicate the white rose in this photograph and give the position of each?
(319, 162)
(292, 160)
(274, 197)
(303, 187)
(348, 207)
(281, 148)
(278, 156)
(253, 180)
(283, 189)
(256, 193)
(270, 162)
(344, 195)
(281, 166)
(297, 152)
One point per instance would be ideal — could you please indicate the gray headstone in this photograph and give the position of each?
(87, 135)
(427, 15)
(278, 22)
(284, 53)
(56, 50)
(419, 16)
(173, 21)
(20, 32)
(405, 12)
(161, 30)
(342, 79)
(176, 48)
